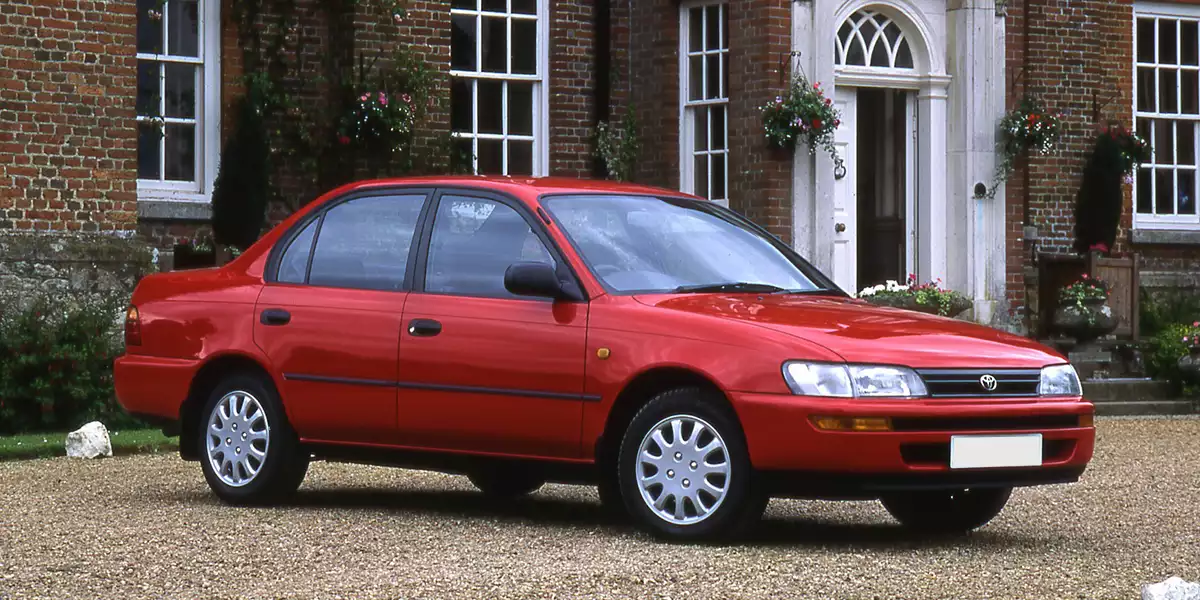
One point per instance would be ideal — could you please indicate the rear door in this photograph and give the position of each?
(329, 317)
(483, 370)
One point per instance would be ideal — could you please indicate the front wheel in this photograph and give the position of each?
(947, 512)
(249, 453)
(684, 471)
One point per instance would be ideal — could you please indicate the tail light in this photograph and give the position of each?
(133, 327)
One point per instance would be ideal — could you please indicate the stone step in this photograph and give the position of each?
(1145, 408)
(1126, 390)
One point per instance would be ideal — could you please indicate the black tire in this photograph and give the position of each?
(742, 503)
(285, 464)
(947, 512)
(506, 484)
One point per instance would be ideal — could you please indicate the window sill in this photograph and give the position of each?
(174, 210)
(1178, 237)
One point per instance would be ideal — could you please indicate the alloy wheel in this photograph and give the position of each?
(683, 469)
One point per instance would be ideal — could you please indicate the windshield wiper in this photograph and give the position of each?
(740, 286)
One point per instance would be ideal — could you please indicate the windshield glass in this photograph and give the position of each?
(647, 244)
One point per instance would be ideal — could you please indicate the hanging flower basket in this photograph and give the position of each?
(378, 122)
(804, 115)
(1028, 127)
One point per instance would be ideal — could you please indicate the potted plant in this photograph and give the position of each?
(1083, 311)
(1115, 157)
(1189, 365)
(804, 114)
(197, 253)
(929, 298)
(1029, 126)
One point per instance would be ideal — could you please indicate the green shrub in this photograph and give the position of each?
(1164, 350)
(1163, 309)
(56, 358)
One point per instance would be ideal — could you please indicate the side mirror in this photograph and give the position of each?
(536, 279)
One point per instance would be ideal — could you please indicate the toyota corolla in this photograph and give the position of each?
(658, 346)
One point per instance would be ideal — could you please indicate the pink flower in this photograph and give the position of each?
(344, 140)
(837, 123)
(383, 98)
(397, 18)
(365, 97)
(406, 98)
(1099, 247)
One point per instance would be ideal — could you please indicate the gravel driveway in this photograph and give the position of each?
(148, 527)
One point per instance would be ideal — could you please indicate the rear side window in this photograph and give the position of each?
(474, 242)
(362, 244)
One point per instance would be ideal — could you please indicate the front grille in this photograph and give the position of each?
(916, 424)
(966, 383)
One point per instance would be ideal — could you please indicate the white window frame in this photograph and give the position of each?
(687, 133)
(1159, 10)
(541, 92)
(208, 112)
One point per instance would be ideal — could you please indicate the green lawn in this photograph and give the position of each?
(44, 445)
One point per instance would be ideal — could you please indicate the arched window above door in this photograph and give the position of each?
(872, 39)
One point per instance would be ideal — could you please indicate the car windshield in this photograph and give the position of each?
(648, 244)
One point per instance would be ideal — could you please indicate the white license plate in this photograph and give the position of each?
(993, 451)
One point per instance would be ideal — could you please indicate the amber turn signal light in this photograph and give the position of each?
(1087, 420)
(853, 423)
(133, 327)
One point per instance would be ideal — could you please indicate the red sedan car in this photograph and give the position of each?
(524, 331)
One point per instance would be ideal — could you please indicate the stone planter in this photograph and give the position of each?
(1189, 366)
(957, 306)
(1087, 324)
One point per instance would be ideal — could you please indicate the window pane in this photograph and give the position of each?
(495, 5)
(520, 107)
(1164, 143)
(1187, 43)
(1185, 143)
(1144, 192)
(1166, 42)
(1145, 86)
(180, 143)
(149, 150)
(460, 104)
(695, 30)
(495, 45)
(294, 265)
(474, 242)
(1186, 192)
(904, 59)
(181, 90)
(700, 176)
(491, 157)
(364, 243)
(463, 158)
(462, 43)
(1164, 190)
(700, 128)
(714, 76)
(491, 105)
(879, 56)
(712, 24)
(148, 91)
(1145, 41)
(525, 41)
(524, 7)
(1189, 84)
(520, 158)
(718, 127)
(1168, 88)
(695, 77)
(465, 4)
(183, 27)
(718, 177)
(149, 31)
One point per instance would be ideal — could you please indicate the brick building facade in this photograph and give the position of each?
(524, 83)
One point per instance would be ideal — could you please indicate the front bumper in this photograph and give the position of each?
(784, 443)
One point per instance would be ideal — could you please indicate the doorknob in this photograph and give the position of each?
(840, 228)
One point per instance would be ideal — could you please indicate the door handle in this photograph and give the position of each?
(424, 327)
(275, 317)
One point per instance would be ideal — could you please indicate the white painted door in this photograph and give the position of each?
(845, 194)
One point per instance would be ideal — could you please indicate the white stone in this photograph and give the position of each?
(89, 441)
(1171, 589)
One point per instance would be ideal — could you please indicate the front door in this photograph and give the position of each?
(845, 196)
(482, 370)
(331, 315)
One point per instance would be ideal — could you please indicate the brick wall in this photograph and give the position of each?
(572, 87)
(68, 141)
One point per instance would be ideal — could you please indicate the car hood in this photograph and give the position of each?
(864, 333)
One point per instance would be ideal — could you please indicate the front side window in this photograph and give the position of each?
(1167, 112)
(177, 98)
(362, 244)
(474, 242)
(704, 135)
(645, 244)
(497, 85)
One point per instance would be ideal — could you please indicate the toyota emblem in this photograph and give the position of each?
(988, 382)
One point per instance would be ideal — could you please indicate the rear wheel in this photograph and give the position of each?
(504, 483)
(684, 470)
(947, 512)
(249, 453)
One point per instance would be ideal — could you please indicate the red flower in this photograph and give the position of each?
(817, 123)
(828, 102)
(1100, 247)
(1085, 276)
(837, 123)
(817, 85)
(344, 140)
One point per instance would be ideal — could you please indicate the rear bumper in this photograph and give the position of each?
(152, 387)
(784, 442)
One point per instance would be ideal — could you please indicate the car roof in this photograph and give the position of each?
(530, 185)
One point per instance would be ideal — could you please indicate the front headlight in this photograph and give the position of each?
(852, 381)
(1059, 380)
